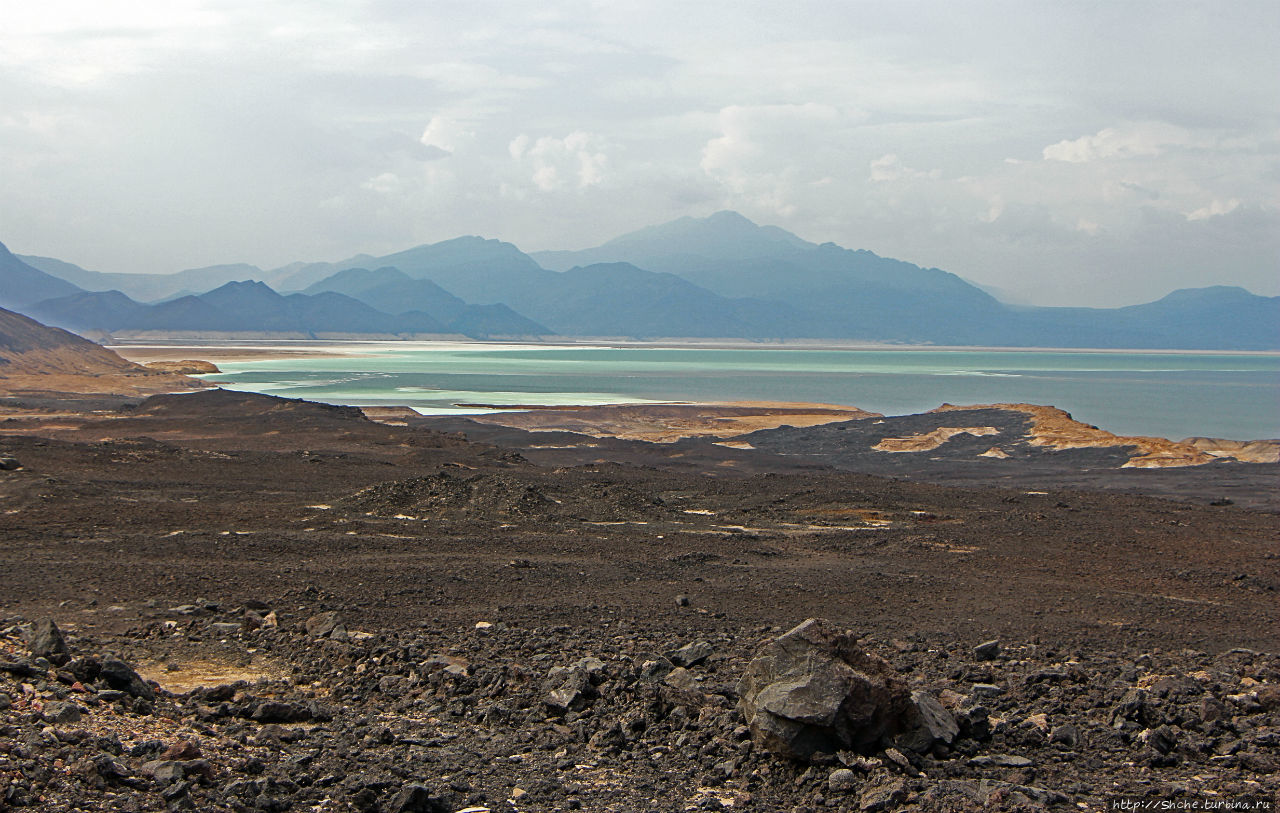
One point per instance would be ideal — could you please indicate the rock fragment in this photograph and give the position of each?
(321, 625)
(929, 723)
(813, 690)
(416, 799)
(120, 676)
(987, 650)
(47, 642)
(842, 780)
(691, 654)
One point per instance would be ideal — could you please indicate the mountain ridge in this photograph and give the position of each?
(724, 276)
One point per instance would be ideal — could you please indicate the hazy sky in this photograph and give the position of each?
(1066, 152)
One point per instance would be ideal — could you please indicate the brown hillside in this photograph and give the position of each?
(39, 358)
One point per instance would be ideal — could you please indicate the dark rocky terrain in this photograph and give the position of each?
(328, 613)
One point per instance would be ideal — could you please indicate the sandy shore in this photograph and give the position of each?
(143, 353)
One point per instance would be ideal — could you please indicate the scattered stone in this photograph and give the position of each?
(182, 751)
(449, 664)
(1067, 735)
(813, 690)
(930, 723)
(62, 713)
(111, 769)
(987, 650)
(47, 642)
(9, 463)
(165, 772)
(681, 678)
(416, 799)
(276, 711)
(682, 601)
(567, 690)
(321, 625)
(883, 797)
(987, 690)
(120, 676)
(691, 654)
(1001, 761)
(1268, 696)
(1163, 738)
(900, 759)
(653, 667)
(842, 780)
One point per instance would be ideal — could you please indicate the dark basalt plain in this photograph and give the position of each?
(1134, 631)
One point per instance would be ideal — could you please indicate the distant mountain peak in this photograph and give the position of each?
(245, 286)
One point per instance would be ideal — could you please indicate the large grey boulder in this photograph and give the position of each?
(813, 690)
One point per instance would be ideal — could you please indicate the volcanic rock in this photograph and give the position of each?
(813, 690)
(691, 654)
(929, 723)
(322, 624)
(987, 650)
(120, 676)
(47, 642)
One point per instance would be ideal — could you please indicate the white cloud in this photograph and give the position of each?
(889, 167)
(766, 155)
(577, 159)
(444, 133)
(1214, 209)
(383, 184)
(1125, 141)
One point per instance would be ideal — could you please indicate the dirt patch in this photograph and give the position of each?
(183, 675)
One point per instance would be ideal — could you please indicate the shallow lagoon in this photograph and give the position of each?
(1167, 394)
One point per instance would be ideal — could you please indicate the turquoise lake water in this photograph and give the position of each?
(1171, 395)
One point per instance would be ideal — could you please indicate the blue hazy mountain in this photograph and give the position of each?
(724, 276)
(619, 299)
(22, 285)
(393, 291)
(248, 307)
(472, 268)
(148, 287)
(839, 292)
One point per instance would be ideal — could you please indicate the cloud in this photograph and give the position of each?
(1216, 208)
(444, 134)
(765, 154)
(889, 167)
(578, 159)
(987, 139)
(1151, 138)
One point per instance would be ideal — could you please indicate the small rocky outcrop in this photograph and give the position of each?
(183, 367)
(814, 691)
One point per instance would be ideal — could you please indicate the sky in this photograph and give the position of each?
(1063, 153)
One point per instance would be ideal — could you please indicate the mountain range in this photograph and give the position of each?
(716, 277)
